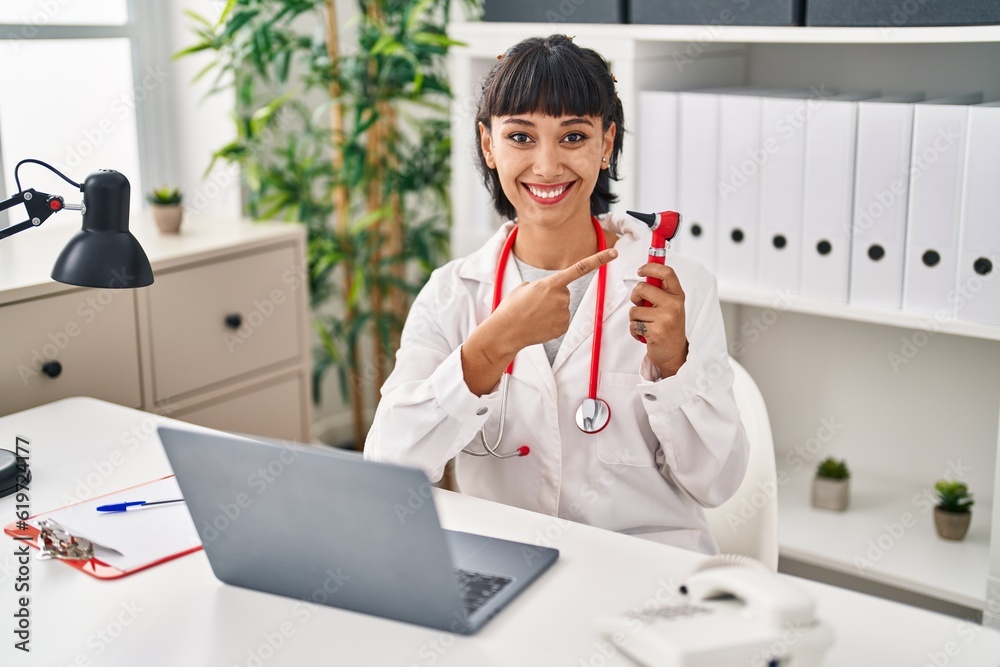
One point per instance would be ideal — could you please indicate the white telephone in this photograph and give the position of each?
(732, 611)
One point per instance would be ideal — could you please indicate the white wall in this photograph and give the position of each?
(197, 124)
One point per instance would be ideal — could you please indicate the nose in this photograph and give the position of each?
(548, 161)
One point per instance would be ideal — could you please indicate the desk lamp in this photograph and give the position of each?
(102, 254)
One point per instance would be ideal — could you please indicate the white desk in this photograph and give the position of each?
(177, 614)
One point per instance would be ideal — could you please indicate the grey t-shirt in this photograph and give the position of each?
(577, 288)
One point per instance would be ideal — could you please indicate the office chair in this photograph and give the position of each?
(747, 523)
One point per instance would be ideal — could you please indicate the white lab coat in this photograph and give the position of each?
(672, 445)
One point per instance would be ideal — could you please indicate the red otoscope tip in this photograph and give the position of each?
(523, 450)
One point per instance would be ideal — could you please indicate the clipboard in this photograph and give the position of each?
(124, 542)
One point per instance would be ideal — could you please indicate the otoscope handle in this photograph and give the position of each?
(655, 282)
(664, 225)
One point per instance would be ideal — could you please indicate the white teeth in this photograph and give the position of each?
(546, 194)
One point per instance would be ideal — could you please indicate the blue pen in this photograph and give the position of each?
(122, 507)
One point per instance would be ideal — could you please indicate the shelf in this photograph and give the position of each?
(474, 32)
(912, 558)
(846, 311)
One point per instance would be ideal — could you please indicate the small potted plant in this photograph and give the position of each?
(831, 485)
(167, 211)
(954, 509)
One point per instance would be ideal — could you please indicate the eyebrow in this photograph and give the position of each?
(565, 123)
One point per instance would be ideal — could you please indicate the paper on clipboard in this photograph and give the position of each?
(135, 539)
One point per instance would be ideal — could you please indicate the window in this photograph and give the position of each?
(37, 13)
(76, 80)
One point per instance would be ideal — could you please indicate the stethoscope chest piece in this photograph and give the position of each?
(593, 415)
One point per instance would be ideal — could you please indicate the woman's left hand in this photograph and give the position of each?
(662, 322)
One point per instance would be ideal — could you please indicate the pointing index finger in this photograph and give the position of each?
(583, 267)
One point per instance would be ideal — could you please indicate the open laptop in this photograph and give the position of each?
(329, 527)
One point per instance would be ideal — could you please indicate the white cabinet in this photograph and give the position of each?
(220, 338)
(907, 399)
(214, 322)
(57, 347)
(253, 411)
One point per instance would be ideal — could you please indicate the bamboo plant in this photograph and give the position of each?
(354, 144)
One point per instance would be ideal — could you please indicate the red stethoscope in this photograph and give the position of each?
(594, 413)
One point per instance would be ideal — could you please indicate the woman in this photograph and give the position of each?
(549, 126)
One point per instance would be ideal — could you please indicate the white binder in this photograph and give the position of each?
(698, 157)
(977, 294)
(657, 152)
(738, 188)
(828, 195)
(937, 162)
(881, 187)
(783, 136)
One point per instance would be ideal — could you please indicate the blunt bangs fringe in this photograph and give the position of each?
(546, 80)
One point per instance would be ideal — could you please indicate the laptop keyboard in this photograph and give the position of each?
(477, 587)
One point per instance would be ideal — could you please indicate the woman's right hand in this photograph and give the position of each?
(538, 311)
(532, 313)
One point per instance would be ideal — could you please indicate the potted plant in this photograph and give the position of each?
(831, 485)
(354, 143)
(954, 509)
(167, 211)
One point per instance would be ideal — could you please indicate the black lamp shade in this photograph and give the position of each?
(104, 253)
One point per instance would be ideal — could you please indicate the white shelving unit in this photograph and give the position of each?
(887, 535)
(900, 424)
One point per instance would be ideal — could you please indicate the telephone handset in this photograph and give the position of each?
(732, 611)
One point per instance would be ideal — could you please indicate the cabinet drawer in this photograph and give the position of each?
(214, 322)
(86, 340)
(273, 411)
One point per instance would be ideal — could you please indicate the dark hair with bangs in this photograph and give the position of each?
(555, 77)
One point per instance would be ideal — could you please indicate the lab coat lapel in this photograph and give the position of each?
(581, 328)
(481, 264)
(531, 364)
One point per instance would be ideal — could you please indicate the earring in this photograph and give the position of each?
(604, 159)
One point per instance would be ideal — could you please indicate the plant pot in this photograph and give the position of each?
(168, 218)
(951, 525)
(830, 494)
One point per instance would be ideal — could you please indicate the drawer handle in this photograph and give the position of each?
(52, 368)
(234, 321)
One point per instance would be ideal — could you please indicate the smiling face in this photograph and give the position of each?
(547, 165)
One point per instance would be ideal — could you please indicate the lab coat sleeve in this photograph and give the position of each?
(693, 414)
(427, 413)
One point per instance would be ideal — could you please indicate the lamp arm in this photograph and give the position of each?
(14, 200)
(40, 207)
(14, 229)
